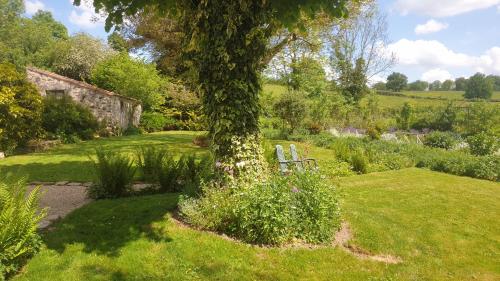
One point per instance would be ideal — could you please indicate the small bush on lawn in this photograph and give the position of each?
(483, 144)
(281, 209)
(114, 175)
(152, 121)
(438, 139)
(150, 161)
(19, 218)
(185, 174)
(359, 163)
(67, 120)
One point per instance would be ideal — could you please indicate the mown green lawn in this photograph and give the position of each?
(72, 162)
(443, 227)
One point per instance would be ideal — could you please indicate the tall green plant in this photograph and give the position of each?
(114, 174)
(19, 218)
(20, 108)
(150, 161)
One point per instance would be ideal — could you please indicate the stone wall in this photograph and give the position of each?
(115, 110)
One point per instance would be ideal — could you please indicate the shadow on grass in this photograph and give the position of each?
(105, 226)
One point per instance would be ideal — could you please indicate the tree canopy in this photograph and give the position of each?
(396, 81)
(478, 87)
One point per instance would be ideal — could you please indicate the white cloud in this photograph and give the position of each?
(427, 53)
(442, 8)
(436, 59)
(85, 16)
(436, 74)
(490, 61)
(33, 6)
(376, 78)
(430, 26)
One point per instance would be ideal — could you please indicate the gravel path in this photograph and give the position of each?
(61, 199)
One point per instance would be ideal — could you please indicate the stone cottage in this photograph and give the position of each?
(115, 110)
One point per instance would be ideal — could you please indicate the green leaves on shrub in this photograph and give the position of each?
(301, 206)
(483, 144)
(359, 163)
(20, 109)
(438, 139)
(114, 175)
(67, 120)
(150, 161)
(153, 121)
(19, 218)
(185, 174)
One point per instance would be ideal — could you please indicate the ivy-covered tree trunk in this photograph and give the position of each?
(228, 43)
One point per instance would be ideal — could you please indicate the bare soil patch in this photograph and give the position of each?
(342, 238)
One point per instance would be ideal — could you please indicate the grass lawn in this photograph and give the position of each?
(71, 162)
(443, 227)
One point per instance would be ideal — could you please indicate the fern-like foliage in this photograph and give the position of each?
(19, 218)
(114, 175)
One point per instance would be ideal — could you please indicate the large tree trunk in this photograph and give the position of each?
(230, 44)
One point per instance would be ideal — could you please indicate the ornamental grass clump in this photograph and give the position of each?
(114, 175)
(149, 161)
(19, 218)
(277, 211)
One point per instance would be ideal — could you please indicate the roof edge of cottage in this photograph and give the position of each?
(80, 83)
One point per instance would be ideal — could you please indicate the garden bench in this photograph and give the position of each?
(299, 163)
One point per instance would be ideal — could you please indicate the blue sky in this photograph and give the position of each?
(432, 39)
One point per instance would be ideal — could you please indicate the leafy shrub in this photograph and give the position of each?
(169, 174)
(19, 218)
(483, 144)
(359, 163)
(183, 108)
(20, 109)
(461, 164)
(291, 108)
(114, 175)
(487, 167)
(132, 131)
(67, 120)
(150, 161)
(300, 206)
(439, 139)
(152, 121)
(186, 174)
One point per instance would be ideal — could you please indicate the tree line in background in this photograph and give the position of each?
(478, 86)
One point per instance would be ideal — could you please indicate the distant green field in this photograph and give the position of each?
(452, 95)
(397, 102)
